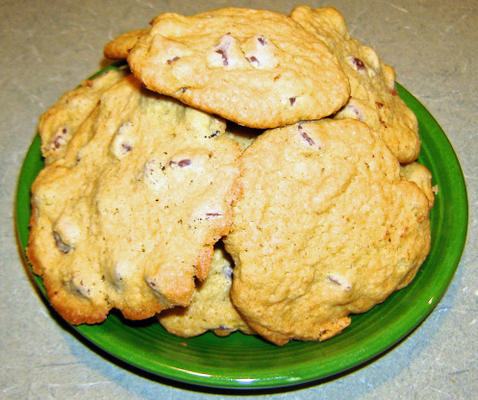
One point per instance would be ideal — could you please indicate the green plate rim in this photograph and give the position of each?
(317, 363)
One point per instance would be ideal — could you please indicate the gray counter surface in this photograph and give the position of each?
(48, 47)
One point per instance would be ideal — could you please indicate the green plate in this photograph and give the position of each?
(248, 362)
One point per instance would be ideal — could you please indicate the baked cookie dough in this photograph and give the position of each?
(119, 47)
(326, 227)
(421, 176)
(254, 67)
(373, 97)
(210, 308)
(59, 123)
(128, 217)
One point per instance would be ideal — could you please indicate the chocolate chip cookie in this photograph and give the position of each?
(210, 308)
(373, 98)
(326, 227)
(257, 68)
(128, 217)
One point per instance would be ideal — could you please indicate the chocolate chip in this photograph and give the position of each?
(79, 288)
(253, 60)
(343, 284)
(62, 246)
(262, 40)
(358, 63)
(305, 136)
(213, 214)
(228, 271)
(126, 147)
(59, 138)
(223, 328)
(355, 111)
(213, 135)
(223, 46)
(291, 100)
(181, 163)
(223, 55)
(171, 60)
(333, 280)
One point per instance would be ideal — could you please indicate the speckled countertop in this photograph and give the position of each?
(48, 47)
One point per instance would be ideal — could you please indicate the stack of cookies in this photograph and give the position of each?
(244, 170)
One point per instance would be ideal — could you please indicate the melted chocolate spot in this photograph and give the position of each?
(228, 272)
(223, 55)
(171, 60)
(223, 328)
(305, 136)
(358, 63)
(333, 280)
(181, 163)
(213, 214)
(126, 147)
(58, 141)
(253, 60)
(213, 135)
(62, 246)
(356, 111)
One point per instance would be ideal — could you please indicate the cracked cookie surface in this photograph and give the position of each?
(128, 217)
(254, 67)
(326, 227)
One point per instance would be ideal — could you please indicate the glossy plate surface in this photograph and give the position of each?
(247, 362)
